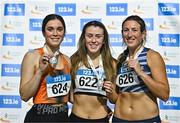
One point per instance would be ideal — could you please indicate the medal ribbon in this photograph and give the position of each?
(99, 74)
(137, 53)
(46, 51)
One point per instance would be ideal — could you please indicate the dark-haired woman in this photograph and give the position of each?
(45, 75)
(141, 77)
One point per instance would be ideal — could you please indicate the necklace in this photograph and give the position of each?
(53, 59)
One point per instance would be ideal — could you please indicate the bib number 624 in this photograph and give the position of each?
(59, 88)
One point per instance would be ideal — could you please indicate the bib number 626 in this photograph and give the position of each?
(126, 78)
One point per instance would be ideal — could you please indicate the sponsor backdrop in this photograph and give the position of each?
(20, 32)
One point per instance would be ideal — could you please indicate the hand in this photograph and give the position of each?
(108, 86)
(134, 63)
(44, 62)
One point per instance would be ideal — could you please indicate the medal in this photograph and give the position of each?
(53, 60)
(100, 84)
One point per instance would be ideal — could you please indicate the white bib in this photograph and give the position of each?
(58, 85)
(87, 81)
(127, 79)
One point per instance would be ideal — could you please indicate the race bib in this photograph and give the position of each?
(86, 79)
(127, 79)
(58, 85)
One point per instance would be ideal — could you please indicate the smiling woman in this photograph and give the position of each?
(39, 72)
(141, 77)
(92, 74)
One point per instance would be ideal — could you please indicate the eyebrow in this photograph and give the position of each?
(93, 34)
(131, 28)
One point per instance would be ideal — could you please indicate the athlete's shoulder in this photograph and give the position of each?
(154, 57)
(32, 53)
(67, 58)
(153, 53)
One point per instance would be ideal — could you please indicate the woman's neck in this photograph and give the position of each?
(133, 51)
(95, 59)
(51, 49)
(94, 56)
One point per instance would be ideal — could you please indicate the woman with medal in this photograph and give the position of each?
(93, 72)
(141, 77)
(45, 75)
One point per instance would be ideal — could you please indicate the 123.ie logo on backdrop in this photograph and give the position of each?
(171, 40)
(116, 9)
(14, 9)
(10, 70)
(10, 101)
(168, 9)
(13, 39)
(172, 103)
(69, 40)
(149, 23)
(173, 71)
(35, 24)
(66, 9)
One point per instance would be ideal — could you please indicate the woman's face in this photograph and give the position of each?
(132, 34)
(94, 36)
(54, 33)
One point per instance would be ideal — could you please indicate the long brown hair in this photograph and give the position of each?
(81, 54)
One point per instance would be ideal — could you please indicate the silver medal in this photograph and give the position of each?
(100, 84)
(53, 60)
